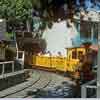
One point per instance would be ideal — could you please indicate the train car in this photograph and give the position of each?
(78, 60)
(60, 63)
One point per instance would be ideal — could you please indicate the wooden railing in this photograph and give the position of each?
(3, 66)
(91, 86)
(20, 58)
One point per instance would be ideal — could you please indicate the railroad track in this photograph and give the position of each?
(45, 80)
(42, 82)
(34, 78)
(56, 80)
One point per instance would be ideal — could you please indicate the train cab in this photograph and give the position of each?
(75, 53)
(69, 64)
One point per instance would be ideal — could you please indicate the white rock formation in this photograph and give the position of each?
(59, 37)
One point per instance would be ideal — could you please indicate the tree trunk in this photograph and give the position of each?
(28, 25)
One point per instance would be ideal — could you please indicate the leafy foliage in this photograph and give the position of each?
(16, 11)
(23, 9)
(7, 9)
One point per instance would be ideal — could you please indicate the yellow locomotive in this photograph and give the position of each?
(59, 63)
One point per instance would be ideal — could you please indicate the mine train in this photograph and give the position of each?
(63, 64)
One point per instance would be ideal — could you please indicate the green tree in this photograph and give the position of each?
(16, 11)
(24, 12)
(7, 10)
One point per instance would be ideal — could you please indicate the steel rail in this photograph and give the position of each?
(43, 82)
(33, 82)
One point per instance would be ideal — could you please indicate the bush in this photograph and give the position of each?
(10, 54)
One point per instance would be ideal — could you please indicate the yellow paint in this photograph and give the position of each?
(60, 63)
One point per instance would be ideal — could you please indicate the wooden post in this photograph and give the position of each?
(83, 92)
(92, 31)
(23, 55)
(98, 69)
(3, 69)
(12, 66)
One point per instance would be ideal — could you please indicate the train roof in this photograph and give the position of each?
(93, 47)
(75, 47)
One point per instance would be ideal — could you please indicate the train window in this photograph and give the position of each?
(80, 53)
(74, 54)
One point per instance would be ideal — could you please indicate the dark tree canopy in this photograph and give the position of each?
(21, 11)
